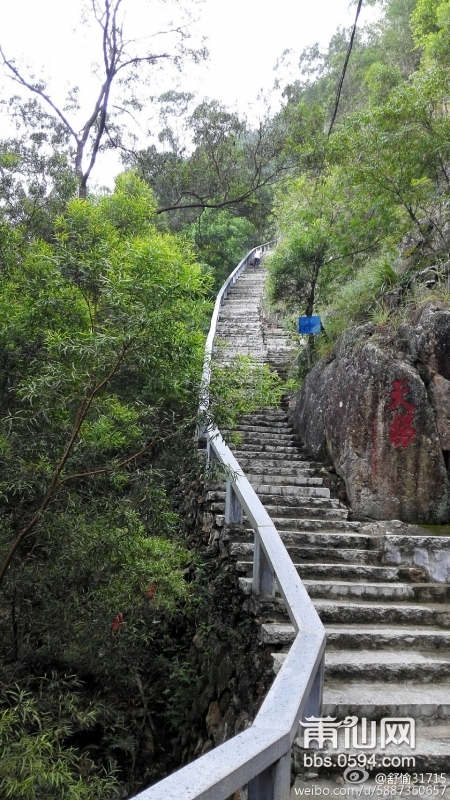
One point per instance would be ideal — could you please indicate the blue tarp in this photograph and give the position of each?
(309, 325)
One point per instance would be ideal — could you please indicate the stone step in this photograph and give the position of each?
(298, 490)
(316, 509)
(241, 326)
(279, 341)
(357, 572)
(406, 592)
(431, 755)
(267, 435)
(241, 329)
(250, 341)
(350, 611)
(245, 585)
(355, 638)
(272, 459)
(392, 637)
(296, 470)
(267, 468)
(381, 666)
(226, 360)
(254, 447)
(293, 502)
(272, 427)
(215, 494)
(244, 550)
(293, 539)
(218, 508)
(285, 481)
(337, 555)
(329, 525)
(242, 312)
(337, 571)
(375, 700)
(288, 480)
(255, 442)
(278, 441)
(281, 348)
(313, 538)
(387, 665)
(281, 428)
(342, 572)
(272, 417)
(346, 612)
(277, 633)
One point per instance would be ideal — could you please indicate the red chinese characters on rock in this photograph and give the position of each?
(401, 431)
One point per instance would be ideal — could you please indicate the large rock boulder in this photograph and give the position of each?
(376, 410)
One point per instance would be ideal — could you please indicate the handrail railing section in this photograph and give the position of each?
(259, 758)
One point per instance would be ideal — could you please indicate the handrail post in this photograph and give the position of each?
(273, 783)
(233, 508)
(211, 456)
(313, 705)
(263, 574)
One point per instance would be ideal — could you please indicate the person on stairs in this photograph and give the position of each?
(257, 257)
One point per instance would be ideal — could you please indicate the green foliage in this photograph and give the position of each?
(383, 54)
(213, 161)
(359, 299)
(241, 387)
(430, 22)
(220, 240)
(36, 759)
(36, 176)
(324, 229)
(383, 174)
(101, 348)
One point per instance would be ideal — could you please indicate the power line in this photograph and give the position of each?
(347, 57)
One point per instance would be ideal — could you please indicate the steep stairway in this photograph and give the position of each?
(388, 637)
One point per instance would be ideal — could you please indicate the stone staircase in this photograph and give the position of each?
(388, 650)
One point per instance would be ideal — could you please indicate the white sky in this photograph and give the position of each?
(245, 38)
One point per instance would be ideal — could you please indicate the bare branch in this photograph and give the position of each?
(117, 56)
(140, 59)
(36, 90)
(232, 201)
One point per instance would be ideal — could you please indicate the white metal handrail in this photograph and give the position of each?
(258, 758)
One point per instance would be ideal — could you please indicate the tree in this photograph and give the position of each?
(97, 306)
(324, 230)
(36, 178)
(430, 23)
(215, 160)
(403, 155)
(124, 65)
(383, 55)
(230, 163)
(101, 350)
(220, 239)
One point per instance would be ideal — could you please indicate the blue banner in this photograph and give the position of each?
(308, 325)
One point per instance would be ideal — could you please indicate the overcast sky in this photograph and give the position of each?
(245, 38)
